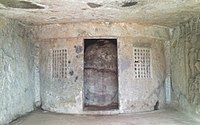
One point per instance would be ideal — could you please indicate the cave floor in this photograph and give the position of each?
(159, 117)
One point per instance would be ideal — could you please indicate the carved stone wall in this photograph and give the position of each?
(61, 75)
(185, 48)
(193, 47)
(17, 75)
(134, 95)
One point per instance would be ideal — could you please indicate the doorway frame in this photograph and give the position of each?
(83, 88)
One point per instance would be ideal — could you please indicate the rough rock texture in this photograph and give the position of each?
(100, 74)
(108, 29)
(185, 65)
(147, 12)
(67, 96)
(16, 70)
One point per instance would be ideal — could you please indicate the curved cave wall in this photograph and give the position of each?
(185, 66)
(62, 64)
(17, 87)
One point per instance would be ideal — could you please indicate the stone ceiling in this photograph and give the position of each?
(147, 12)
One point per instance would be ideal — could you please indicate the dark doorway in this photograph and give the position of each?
(100, 74)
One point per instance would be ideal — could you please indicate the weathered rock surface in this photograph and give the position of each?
(147, 12)
(16, 71)
(185, 48)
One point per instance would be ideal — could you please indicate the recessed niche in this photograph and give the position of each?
(129, 4)
(100, 74)
(20, 4)
(94, 5)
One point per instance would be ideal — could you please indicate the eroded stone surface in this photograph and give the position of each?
(185, 65)
(155, 12)
(16, 71)
(20, 4)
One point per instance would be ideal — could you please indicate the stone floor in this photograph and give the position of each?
(160, 117)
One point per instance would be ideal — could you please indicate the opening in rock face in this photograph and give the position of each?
(100, 74)
(94, 5)
(129, 4)
(20, 4)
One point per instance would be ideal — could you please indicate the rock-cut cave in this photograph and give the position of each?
(112, 62)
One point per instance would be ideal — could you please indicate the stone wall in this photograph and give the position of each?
(100, 29)
(138, 95)
(66, 94)
(185, 66)
(16, 70)
(60, 94)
